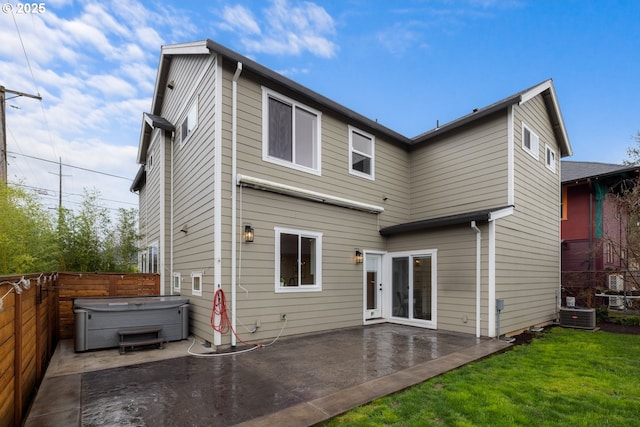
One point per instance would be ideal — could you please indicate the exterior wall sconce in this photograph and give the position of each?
(171, 84)
(358, 257)
(248, 234)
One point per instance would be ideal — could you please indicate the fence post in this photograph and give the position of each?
(17, 362)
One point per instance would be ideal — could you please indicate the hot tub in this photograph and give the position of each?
(99, 320)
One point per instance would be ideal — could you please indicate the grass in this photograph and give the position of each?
(566, 377)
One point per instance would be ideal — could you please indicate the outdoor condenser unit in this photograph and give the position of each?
(582, 318)
(616, 283)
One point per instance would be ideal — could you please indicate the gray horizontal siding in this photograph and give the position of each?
(391, 171)
(528, 242)
(456, 273)
(339, 304)
(464, 171)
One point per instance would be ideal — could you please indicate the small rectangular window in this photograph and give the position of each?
(298, 260)
(196, 283)
(190, 123)
(176, 282)
(291, 133)
(550, 158)
(530, 141)
(361, 153)
(152, 258)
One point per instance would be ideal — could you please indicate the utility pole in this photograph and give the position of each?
(3, 129)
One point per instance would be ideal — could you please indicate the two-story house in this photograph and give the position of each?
(309, 216)
(594, 228)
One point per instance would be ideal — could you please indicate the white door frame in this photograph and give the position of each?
(388, 289)
(376, 314)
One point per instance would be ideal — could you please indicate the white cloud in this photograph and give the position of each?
(287, 29)
(95, 68)
(239, 18)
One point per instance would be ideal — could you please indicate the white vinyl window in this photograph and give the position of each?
(150, 261)
(196, 283)
(298, 260)
(530, 141)
(190, 123)
(176, 282)
(290, 132)
(550, 158)
(361, 153)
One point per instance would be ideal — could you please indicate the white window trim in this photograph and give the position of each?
(550, 165)
(535, 142)
(268, 93)
(151, 249)
(373, 154)
(194, 291)
(177, 280)
(191, 112)
(303, 288)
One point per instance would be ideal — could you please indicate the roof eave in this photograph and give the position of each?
(445, 221)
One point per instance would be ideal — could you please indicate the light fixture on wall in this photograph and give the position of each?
(185, 229)
(171, 84)
(247, 235)
(358, 256)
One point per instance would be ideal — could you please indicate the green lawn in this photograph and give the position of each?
(565, 377)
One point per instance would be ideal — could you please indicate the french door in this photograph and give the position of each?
(373, 286)
(413, 288)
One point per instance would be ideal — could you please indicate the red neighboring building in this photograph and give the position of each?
(592, 230)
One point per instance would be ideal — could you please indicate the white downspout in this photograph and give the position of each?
(171, 226)
(478, 274)
(234, 226)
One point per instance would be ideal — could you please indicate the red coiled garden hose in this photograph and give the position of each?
(224, 325)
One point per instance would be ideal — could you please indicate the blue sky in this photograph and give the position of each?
(404, 63)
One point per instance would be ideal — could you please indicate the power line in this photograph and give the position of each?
(66, 194)
(71, 166)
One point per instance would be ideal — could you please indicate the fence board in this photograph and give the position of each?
(31, 324)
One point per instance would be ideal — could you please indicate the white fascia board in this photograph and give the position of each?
(191, 48)
(502, 213)
(302, 193)
(535, 91)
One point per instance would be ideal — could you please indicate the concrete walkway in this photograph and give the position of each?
(299, 381)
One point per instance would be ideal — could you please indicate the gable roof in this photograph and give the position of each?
(572, 171)
(544, 88)
(206, 47)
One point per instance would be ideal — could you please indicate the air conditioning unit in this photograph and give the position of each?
(582, 318)
(616, 283)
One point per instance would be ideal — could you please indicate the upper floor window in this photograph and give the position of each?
(550, 158)
(529, 141)
(290, 133)
(361, 153)
(190, 123)
(298, 260)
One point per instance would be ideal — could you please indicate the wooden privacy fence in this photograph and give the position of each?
(36, 311)
(84, 285)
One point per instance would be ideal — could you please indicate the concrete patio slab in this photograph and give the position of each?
(299, 381)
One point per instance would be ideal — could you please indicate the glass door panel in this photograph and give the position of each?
(373, 286)
(422, 296)
(400, 287)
